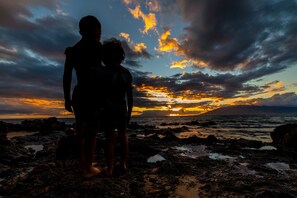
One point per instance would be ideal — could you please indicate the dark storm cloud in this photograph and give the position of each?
(32, 49)
(48, 37)
(130, 53)
(240, 34)
(31, 78)
(132, 63)
(13, 13)
(12, 109)
(287, 99)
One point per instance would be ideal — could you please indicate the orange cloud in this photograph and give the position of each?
(125, 36)
(181, 64)
(275, 87)
(167, 44)
(150, 20)
(137, 47)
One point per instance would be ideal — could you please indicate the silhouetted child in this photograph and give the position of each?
(85, 58)
(117, 112)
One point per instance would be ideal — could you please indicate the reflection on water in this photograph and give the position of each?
(192, 151)
(155, 158)
(268, 148)
(11, 135)
(195, 152)
(188, 187)
(35, 147)
(279, 166)
(218, 156)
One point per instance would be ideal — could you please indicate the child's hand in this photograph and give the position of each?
(68, 106)
(128, 119)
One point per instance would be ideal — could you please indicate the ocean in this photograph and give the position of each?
(223, 127)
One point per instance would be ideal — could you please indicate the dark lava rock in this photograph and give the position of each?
(135, 125)
(193, 123)
(273, 194)
(169, 124)
(3, 127)
(285, 136)
(211, 139)
(180, 129)
(10, 154)
(44, 126)
(169, 136)
(208, 124)
(67, 147)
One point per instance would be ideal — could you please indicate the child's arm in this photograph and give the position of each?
(67, 76)
(130, 103)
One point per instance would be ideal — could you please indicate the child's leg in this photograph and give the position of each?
(81, 144)
(90, 145)
(124, 146)
(110, 139)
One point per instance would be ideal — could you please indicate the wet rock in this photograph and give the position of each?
(135, 126)
(208, 124)
(211, 139)
(154, 136)
(169, 124)
(193, 140)
(67, 147)
(273, 194)
(3, 127)
(193, 123)
(169, 136)
(179, 129)
(10, 154)
(44, 126)
(285, 136)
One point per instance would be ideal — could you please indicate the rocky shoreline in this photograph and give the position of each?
(160, 164)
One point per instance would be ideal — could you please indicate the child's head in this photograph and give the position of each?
(90, 27)
(113, 52)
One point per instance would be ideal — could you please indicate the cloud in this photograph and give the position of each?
(150, 20)
(15, 14)
(30, 107)
(134, 51)
(243, 34)
(153, 5)
(167, 44)
(198, 85)
(286, 99)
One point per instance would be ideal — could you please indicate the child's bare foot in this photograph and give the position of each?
(108, 171)
(91, 172)
(121, 168)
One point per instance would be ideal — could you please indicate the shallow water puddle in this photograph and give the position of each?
(155, 158)
(11, 135)
(192, 151)
(243, 169)
(279, 166)
(218, 156)
(35, 147)
(200, 151)
(267, 148)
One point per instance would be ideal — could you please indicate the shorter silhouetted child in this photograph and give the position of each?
(117, 111)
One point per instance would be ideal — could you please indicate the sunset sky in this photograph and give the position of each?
(186, 56)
